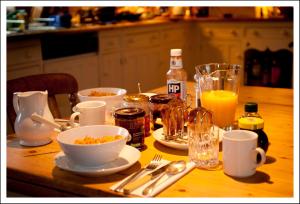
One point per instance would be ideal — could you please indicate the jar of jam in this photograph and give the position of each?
(157, 102)
(139, 101)
(133, 120)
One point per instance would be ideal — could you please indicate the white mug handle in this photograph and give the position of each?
(129, 137)
(263, 156)
(72, 118)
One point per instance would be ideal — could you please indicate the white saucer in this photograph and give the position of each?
(128, 156)
(158, 135)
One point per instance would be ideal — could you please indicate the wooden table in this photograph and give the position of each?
(31, 172)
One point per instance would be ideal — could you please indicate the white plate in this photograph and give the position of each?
(128, 156)
(158, 135)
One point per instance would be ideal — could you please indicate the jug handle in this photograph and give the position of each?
(16, 102)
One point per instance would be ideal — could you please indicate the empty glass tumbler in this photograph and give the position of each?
(203, 139)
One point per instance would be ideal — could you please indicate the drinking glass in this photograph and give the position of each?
(203, 139)
(218, 87)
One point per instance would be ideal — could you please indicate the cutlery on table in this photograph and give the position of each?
(172, 169)
(154, 163)
(140, 181)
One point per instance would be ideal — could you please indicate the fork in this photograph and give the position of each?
(155, 162)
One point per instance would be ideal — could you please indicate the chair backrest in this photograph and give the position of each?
(54, 83)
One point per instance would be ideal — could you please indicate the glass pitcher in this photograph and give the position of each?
(217, 87)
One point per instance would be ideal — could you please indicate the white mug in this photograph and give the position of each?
(240, 153)
(89, 113)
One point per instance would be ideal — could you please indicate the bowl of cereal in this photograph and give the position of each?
(93, 145)
(112, 96)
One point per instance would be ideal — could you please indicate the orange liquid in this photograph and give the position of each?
(222, 104)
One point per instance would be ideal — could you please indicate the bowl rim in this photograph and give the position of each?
(123, 92)
(58, 138)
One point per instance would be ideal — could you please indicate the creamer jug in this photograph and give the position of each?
(25, 104)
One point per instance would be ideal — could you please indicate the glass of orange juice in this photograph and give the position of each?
(218, 86)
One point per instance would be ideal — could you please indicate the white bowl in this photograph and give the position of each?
(112, 102)
(92, 154)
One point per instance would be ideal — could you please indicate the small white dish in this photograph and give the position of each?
(158, 135)
(128, 156)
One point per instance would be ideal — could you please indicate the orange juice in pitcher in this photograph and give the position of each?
(217, 87)
(223, 104)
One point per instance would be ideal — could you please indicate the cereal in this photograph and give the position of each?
(97, 140)
(98, 93)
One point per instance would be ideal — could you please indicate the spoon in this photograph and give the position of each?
(37, 118)
(175, 167)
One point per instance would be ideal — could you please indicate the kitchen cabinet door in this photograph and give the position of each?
(14, 72)
(142, 67)
(111, 70)
(83, 67)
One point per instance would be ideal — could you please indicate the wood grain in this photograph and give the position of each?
(273, 179)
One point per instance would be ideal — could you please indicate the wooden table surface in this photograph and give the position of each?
(31, 172)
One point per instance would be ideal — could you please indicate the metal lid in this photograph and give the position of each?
(161, 98)
(251, 107)
(136, 98)
(129, 113)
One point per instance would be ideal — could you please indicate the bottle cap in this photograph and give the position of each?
(251, 123)
(176, 52)
(251, 107)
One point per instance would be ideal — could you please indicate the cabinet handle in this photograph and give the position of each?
(123, 61)
(256, 33)
(234, 33)
(28, 55)
(247, 44)
(130, 40)
(153, 38)
(286, 34)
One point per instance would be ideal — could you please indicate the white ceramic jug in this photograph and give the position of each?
(32, 133)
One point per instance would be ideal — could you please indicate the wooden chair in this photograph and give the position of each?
(54, 83)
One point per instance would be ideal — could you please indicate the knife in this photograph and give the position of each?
(139, 182)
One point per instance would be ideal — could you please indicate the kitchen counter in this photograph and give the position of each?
(126, 24)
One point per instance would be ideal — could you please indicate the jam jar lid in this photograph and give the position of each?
(161, 98)
(136, 98)
(129, 113)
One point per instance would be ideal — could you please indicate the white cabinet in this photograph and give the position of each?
(227, 42)
(83, 67)
(111, 72)
(140, 54)
(219, 42)
(24, 57)
(269, 36)
(144, 68)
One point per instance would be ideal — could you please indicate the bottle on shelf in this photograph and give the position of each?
(176, 76)
(252, 120)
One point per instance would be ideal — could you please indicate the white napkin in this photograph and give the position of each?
(164, 182)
